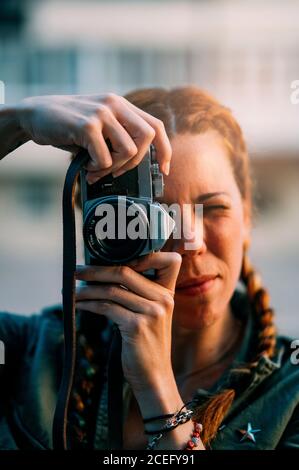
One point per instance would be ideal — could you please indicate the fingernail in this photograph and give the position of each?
(167, 168)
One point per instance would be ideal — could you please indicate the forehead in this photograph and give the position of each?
(199, 164)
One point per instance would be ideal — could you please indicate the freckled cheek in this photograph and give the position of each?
(225, 242)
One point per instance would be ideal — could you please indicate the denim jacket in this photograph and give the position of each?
(30, 378)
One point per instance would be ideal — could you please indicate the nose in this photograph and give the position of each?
(187, 247)
(189, 239)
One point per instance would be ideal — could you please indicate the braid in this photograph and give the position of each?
(212, 412)
(260, 301)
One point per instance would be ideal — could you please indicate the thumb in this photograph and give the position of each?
(166, 264)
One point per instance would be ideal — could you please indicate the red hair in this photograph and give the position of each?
(189, 109)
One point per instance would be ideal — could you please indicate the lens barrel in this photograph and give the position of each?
(115, 229)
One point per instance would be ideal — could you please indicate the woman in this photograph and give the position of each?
(194, 346)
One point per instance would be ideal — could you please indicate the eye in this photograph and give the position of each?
(215, 210)
(219, 206)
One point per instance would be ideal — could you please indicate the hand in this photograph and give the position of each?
(77, 121)
(142, 309)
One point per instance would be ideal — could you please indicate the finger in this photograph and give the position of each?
(166, 264)
(124, 146)
(97, 148)
(114, 293)
(119, 119)
(93, 176)
(160, 141)
(130, 165)
(118, 314)
(140, 131)
(123, 275)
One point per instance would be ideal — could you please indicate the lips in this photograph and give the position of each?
(198, 281)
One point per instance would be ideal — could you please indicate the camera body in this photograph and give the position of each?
(121, 219)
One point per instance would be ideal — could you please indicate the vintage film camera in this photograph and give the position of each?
(121, 219)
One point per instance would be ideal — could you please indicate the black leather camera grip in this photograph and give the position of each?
(115, 376)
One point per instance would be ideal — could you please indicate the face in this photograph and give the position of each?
(201, 173)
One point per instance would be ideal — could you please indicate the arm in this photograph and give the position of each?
(143, 313)
(12, 135)
(73, 122)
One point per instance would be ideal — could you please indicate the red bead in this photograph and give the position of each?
(194, 437)
(198, 427)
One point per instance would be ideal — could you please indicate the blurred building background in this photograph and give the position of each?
(246, 53)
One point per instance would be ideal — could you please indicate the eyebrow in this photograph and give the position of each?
(206, 196)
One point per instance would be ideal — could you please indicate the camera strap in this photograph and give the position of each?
(115, 373)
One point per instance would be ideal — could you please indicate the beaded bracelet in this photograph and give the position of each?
(195, 439)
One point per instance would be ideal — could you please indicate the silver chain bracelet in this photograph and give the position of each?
(180, 417)
(152, 444)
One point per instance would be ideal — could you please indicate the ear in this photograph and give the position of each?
(247, 222)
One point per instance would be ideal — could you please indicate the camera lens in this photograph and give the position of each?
(115, 229)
